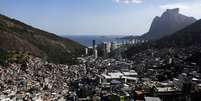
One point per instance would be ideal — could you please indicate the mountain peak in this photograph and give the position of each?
(171, 13)
(168, 23)
(175, 11)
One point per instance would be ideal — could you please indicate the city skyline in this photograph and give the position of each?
(94, 17)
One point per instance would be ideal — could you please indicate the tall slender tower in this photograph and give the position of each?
(94, 45)
(95, 53)
(86, 51)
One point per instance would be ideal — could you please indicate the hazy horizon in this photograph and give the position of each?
(94, 17)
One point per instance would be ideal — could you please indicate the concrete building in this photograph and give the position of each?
(126, 76)
(95, 53)
(107, 47)
(94, 44)
(86, 51)
(113, 46)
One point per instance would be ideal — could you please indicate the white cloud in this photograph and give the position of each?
(129, 1)
(177, 5)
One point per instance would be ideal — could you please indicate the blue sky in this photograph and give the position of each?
(94, 17)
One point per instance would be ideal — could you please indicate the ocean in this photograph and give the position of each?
(86, 40)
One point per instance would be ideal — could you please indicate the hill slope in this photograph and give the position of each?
(15, 35)
(191, 35)
(187, 37)
(169, 22)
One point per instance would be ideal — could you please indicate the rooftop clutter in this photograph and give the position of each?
(159, 74)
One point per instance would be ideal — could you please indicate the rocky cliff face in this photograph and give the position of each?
(170, 22)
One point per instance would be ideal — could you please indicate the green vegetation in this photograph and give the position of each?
(17, 36)
(12, 57)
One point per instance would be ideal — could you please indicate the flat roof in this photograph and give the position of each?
(115, 75)
(165, 89)
(106, 76)
(130, 78)
(152, 99)
(130, 73)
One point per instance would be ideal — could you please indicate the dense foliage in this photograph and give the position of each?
(15, 35)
